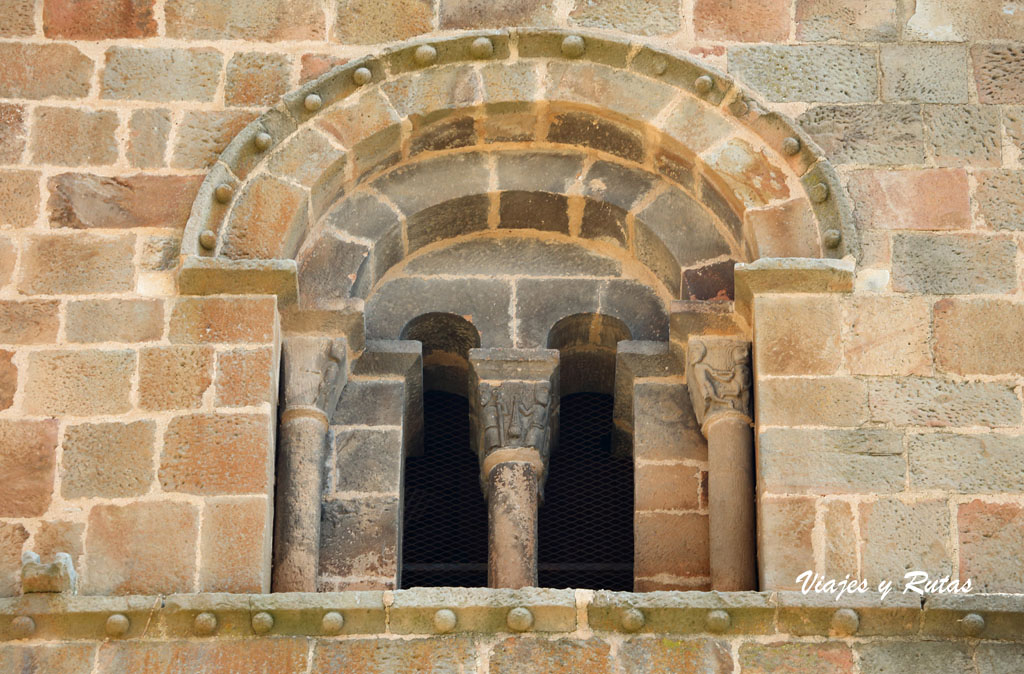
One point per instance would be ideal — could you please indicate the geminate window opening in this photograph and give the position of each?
(585, 525)
(444, 540)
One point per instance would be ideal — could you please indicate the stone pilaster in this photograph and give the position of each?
(719, 379)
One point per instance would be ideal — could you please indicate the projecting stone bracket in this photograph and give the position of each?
(57, 576)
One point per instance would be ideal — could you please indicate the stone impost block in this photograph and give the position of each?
(220, 276)
(790, 275)
(635, 360)
(685, 612)
(482, 609)
(56, 576)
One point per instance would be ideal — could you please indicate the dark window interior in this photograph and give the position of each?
(585, 537)
(444, 540)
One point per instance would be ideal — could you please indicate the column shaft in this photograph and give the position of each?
(512, 525)
(733, 543)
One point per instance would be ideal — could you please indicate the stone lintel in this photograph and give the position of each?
(222, 276)
(790, 275)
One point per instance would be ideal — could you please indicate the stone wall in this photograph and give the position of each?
(137, 425)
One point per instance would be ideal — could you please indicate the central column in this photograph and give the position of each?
(513, 421)
(719, 379)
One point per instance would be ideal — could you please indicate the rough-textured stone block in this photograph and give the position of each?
(8, 256)
(82, 264)
(79, 382)
(514, 256)
(174, 377)
(817, 401)
(29, 322)
(43, 71)
(676, 655)
(98, 19)
(263, 20)
(111, 460)
(887, 335)
(924, 73)
(223, 319)
(373, 21)
(331, 268)
(667, 487)
(827, 658)
(910, 656)
(998, 658)
(246, 377)
(159, 253)
(202, 136)
(954, 264)
(742, 20)
(683, 227)
(1013, 122)
(160, 74)
(788, 326)
(8, 379)
(534, 210)
(235, 546)
(952, 20)
(924, 199)
(979, 336)
(901, 537)
(213, 454)
(141, 548)
(922, 401)
(27, 456)
(990, 534)
(315, 65)
(17, 17)
(256, 78)
(306, 157)
(13, 132)
(84, 201)
(785, 549)
(19, 190)
(615, 90)
(657, 17)
(148, 130)
(999, 73)
(963, 134)
(747, 174)
(561, 656)
(971, 464)
(848, 20)
(380, 656)
(367, 460)
(64, 658)
(12, 538)
(114, 320)
(578, 128)
(482, 14)
(821, 461)
(815, 74)
(671, 544)
(867, 134)
(268, 221)
(840, 540)
(1000, 198)
(359, 538)
(667, 430)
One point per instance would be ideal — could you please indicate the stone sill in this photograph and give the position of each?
(424, 611)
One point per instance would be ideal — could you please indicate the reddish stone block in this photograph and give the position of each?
(979, 336)
(376, 21)
(797, 334)
(174, 377)
(556, 656)
(111, 459)
(81, 383)
(141, 548)
(315, 65)
(922, 199)
(43, 71)
(676, 655)
(742, 20)
(147, 137)
(78, 265)
(161, 74)
(261, 20)
(268, 220)
(28, 451)
(713, 282)
(8, 379)
(277, 655)
(888, 335)
(12, 132)
(787, 230)
(213, 454)
(223, 319)
(98, 19)
(991, 534)
(785, 547)
(235, 546)
(484, 14)
(29, 322)
(257, 78)
(12, 539)
(84, 201)
(246, 377)
(202, 135)
(19, 192)
(60, 658)
(795, 658)
(669, 544)
(382, 656)
(55, 536)
(667, 487)
(114, 321)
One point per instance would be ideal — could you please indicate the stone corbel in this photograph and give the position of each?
(314, 371)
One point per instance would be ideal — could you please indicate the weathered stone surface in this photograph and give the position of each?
(747, 175)
(615, 90)
(825, 461)
(148, 130)
(315, 65)
(742, 20)
(55, 536)
(27, 457)
(202, 135)
(20, 191)
(481, 14)
(371, 402)
(924, 199)
(901, 537)
(949, 20)
(667, 429)
(867, 134)
(79, 382)
(953, 264)
(155, 74)
(306, 157)
(159, 253)
(367, 460)
(448, 220)
(44, 71)
(817, 401)
(851, 20)
(650, 18)
(380, 656)
(676, 655)
(12, 538)
(924, 73)
(74, 137)
(174, 377)
(815, 74)
(840, 540)
(246, 377)
(223, 319)
(963, 134)
(989, 534)
(785, 549)
(887, 335)
(65, 658)
(667, 487)
(789, 229)
(996, 658)
(108, 459)
(999, 73)
(235, 546)
(213, 454)
(216, 656)
(256, 78)
(17, 17)
(8, 379)
(578, 128)
(332, 268)
(359, 538)
(561, 656)
(686, 229)
(519, 256)
(141, 548)
(57, 264)
(787, 325)
(1000, 197)
(830, 657)
(85, 201)
(29, 322)
(672, 544)
(979, 336)
(714, 282)
(263, 20)
(129, 320)
(98, 19)
(924, 401)
(534, 210)
(941, 658)
(268, 221)
(372, 21)
(971, 464)
(13, 132)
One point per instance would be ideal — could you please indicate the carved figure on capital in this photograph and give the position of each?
(515, 414)
(719, 377)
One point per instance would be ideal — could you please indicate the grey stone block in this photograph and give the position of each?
(818, 461)
(867, 134)
(924, 73)
(616, 184)
(922, 401)
(538, 171)
(914, 656)
(953, 264)
(684, 227)
(534, 210)
(542, 303)
(361, 538)
(514, 256)
(370, 402)
(448, 220)
(366, 460)
(811, 73)
(971, 464)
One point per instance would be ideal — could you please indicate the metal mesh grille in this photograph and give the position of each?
(585, 536)
(445, 528)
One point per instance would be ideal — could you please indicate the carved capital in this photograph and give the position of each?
(719, 377)
(514, 414)
(314, 371)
